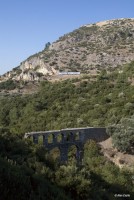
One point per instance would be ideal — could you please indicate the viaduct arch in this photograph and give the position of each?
(68, 137)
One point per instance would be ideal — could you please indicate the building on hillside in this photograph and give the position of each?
(68, 73)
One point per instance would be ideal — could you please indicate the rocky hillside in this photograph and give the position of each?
(92, 47)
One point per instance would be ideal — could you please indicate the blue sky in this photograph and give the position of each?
(27, 25)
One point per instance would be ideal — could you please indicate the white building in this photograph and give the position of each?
(68, 73)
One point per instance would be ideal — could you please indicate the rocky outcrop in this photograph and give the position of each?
(37, 64)
(33, 69)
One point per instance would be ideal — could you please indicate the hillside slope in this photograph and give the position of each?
(90, 48)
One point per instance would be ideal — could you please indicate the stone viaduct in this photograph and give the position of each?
(65, 138)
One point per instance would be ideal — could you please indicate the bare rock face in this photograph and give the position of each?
(104, 45)
(37, 64)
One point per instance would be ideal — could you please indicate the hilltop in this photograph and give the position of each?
(88, 49)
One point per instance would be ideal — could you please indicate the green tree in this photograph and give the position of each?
(47, 45)
(123, 134)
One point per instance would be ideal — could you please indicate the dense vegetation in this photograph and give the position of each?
(26, 170)
(72, 103)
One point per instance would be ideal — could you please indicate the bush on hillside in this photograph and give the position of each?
(8, 85)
